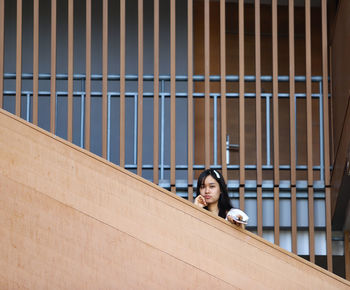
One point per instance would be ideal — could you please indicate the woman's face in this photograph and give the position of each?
(210, 190)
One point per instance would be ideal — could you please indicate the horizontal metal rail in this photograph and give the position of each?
(184, 78)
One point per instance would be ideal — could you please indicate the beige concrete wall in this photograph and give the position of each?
(70, 220)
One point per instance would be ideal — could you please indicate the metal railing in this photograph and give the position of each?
(166, 94)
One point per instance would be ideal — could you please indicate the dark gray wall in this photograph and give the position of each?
(96, 62)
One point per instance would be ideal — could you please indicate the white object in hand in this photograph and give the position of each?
(238, 215)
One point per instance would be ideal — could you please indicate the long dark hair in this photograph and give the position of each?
(224, 203)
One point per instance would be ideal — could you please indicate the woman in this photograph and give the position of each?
(212, 195)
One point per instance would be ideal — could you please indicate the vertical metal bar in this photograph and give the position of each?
(108, 127)
(156, 95)
(223, 86)
(258, 117)
(88, 75)
(172, 95)
(104, 77)
(53, 67)
(162, 123)
(122, 84)
(70, 69)
(241, 105)
(35, 60)
(292, 125)
(215, 130)
(19, 58)
(275, 117)
(268, 132)
(321, 133)
(140, 87)
(347, 255)
(190, 97)
(2, 40)
(326, 134)
(135, 127)
(309, 128)
(207, 83)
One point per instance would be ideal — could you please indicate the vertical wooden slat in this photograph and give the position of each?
(241, 105)
(292, 126)
(190, 97)
(331, 117)
(104, 76)
(207, 83)
(309, 128)
(258, 117)
(347, 255)
(122, 84)
(70, 69)
(88, 75)
(19, 58)
(35, 60)
(329, 230)
(140, 88)
(294, 218)
(223, 85)
(275, 117)
(326, 134)
(2, 40)
(172, 95)
(53, 67)
(156, 95)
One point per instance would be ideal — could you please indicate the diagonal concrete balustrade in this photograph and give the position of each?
(71, 220)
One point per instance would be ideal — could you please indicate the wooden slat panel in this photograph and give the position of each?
(275, 117)
(190, 97)
(70, 69)
(35, 60)
(258, 117)
(207, 83)
(172, 94)
(19, 58)
(156, 95)
(292, 125)
(104, 76)
(88, 75)
(309, 127)
(122, 84)
(223, 86)
(2, 40)
(241, 105)
(326, 134)
(347, 255)
(140, 88)
(53, 67)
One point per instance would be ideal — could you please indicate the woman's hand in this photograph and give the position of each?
(200, 201)
(232, 221)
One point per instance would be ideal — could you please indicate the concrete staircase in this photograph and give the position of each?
(71, 220)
